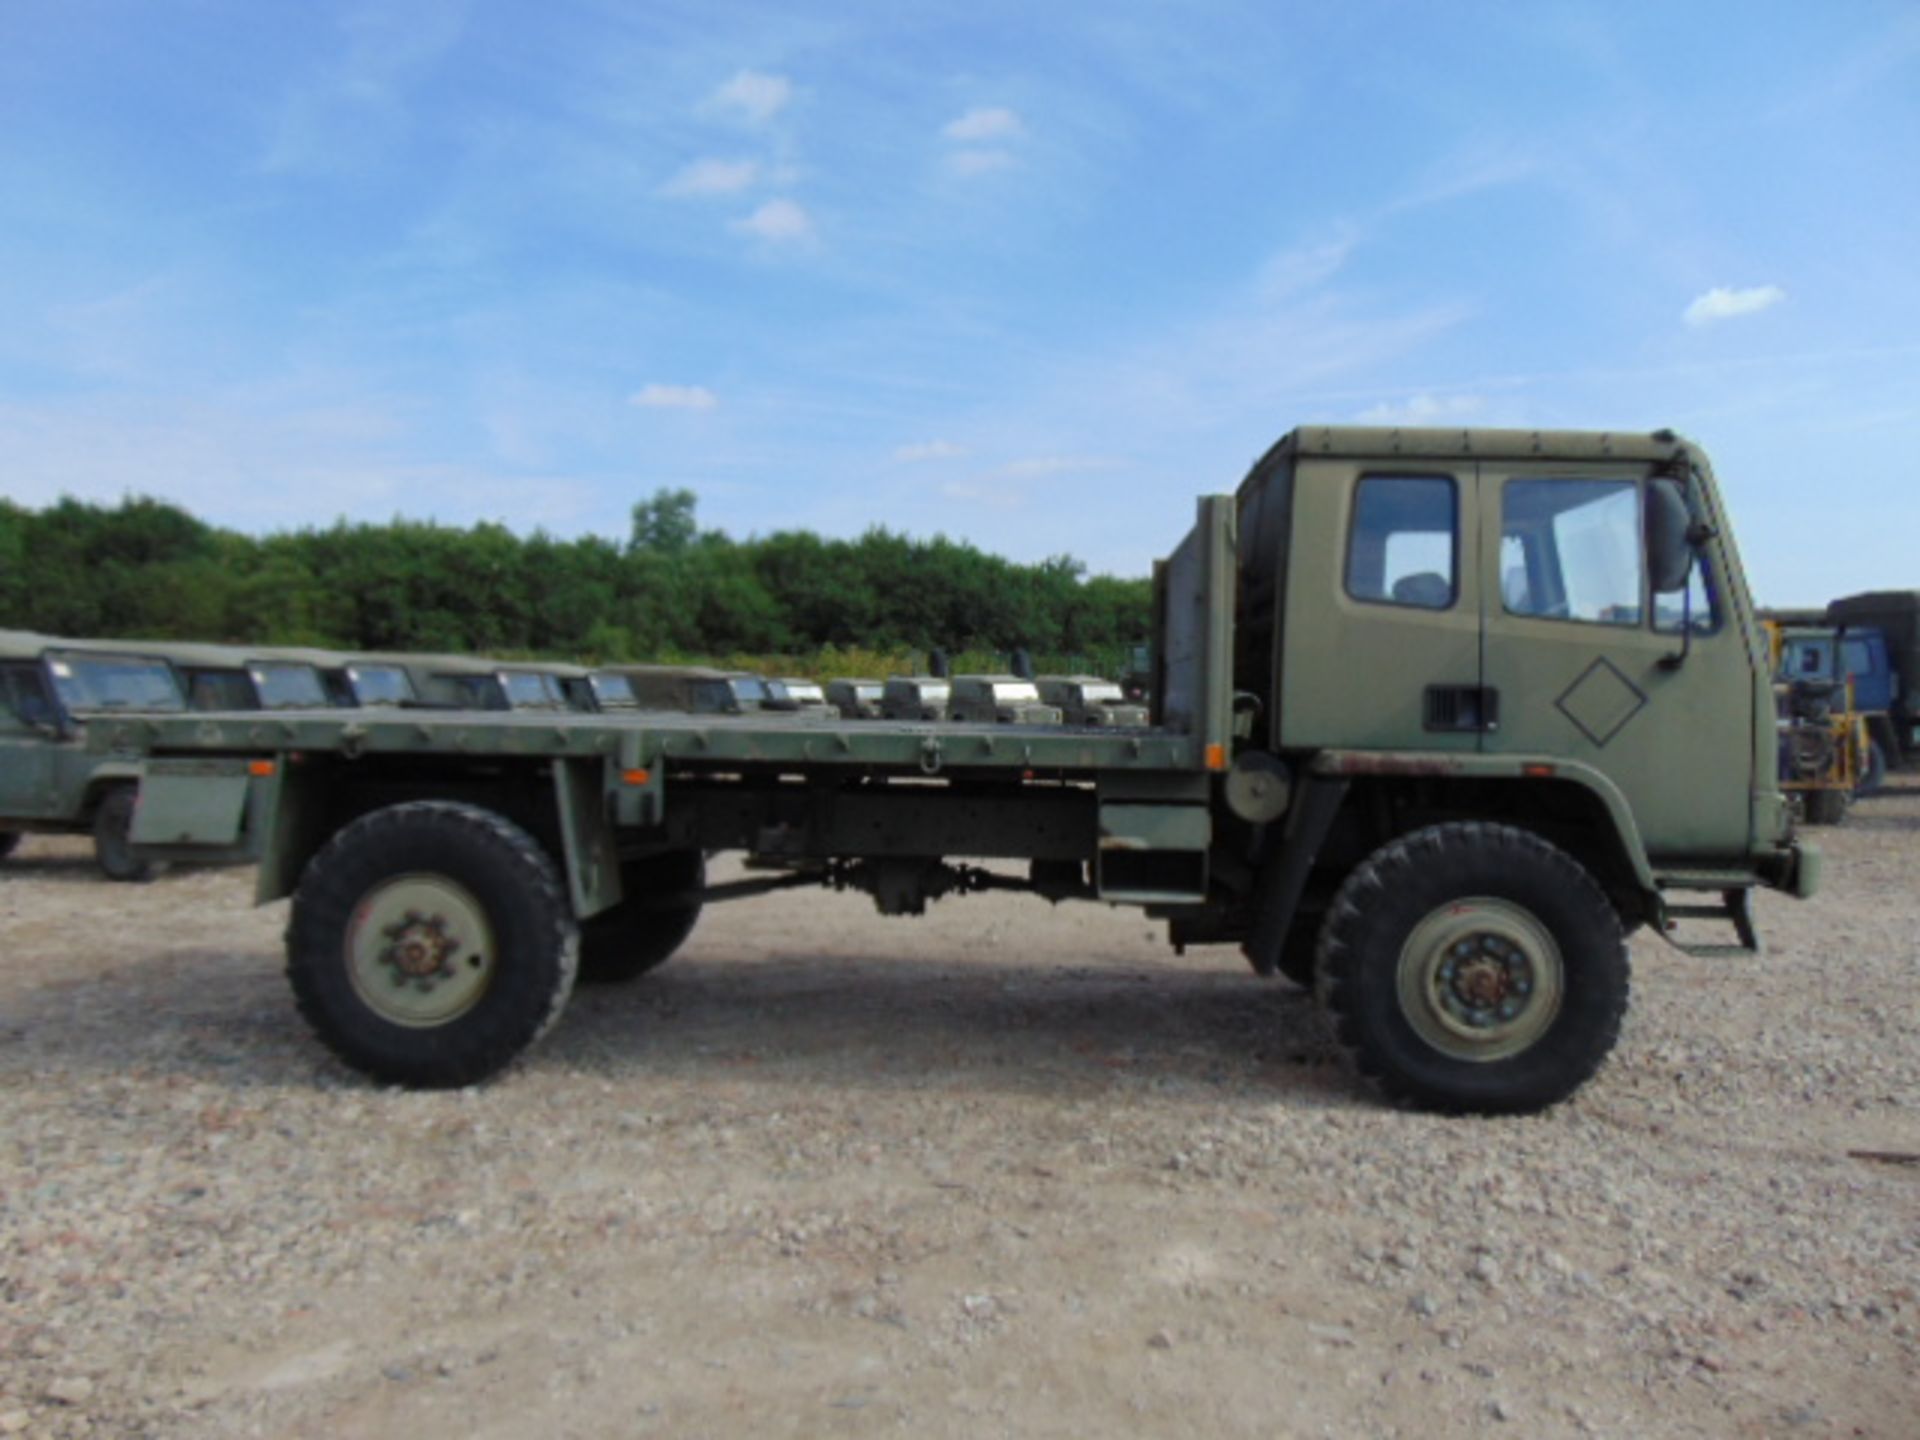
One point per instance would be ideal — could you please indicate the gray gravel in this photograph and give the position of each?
(1008, 1171)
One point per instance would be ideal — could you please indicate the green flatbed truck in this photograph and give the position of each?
(1439, 717)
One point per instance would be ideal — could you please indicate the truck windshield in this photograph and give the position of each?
(530, 690)
(380, 684)
(289, 687)
(614, 692)
(114, 682)
(803, 690)
(749, 692)
(221, 690)
(1015, 694)
(1098, 694)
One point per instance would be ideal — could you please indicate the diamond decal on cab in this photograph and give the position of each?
(1601, 701)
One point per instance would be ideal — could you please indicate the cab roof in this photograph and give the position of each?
(1485, 443)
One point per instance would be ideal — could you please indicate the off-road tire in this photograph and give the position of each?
(637, 936)
(112, 842)
(1429, 875)
(506, 875)
(1824, 807)
(9, 842)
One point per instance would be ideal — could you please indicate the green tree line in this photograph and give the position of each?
(144, 568)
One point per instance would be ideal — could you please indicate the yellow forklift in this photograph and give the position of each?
(1824, 742)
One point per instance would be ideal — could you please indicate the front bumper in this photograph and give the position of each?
(1795, 868)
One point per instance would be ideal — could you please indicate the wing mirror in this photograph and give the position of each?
(1671, 537)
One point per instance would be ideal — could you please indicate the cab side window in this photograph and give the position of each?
(1571, 550)
(1404, 546)
(24, 693)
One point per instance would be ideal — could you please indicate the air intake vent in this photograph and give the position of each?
(1462, 708)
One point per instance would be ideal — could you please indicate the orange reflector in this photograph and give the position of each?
(1216, 757)
(635, 777)
(260, 769)
(1537, 772)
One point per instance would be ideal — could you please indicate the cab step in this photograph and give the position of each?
(1735, 908)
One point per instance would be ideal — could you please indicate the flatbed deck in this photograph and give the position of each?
(649, 738)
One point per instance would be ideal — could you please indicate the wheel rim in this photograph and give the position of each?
(420, 951)
(1480, 979)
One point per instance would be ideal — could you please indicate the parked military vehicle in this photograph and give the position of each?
(1894, 615)
(1090, 700)
(999, 699)
(692, 689)
(227, 677)
(49, 781)
(1423, 730)
(856, 699)
(348, 679)
(478, 682)
(1858, 660)
(799, 697)
(915, 697)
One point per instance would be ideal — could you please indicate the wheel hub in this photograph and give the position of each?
(422, 950)
(1480, 979)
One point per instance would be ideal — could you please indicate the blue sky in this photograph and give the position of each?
(1029, 275)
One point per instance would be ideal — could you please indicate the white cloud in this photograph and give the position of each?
(928, 450)
(713, 177)
(674, 397)
(1040, 466)
(1304, 267)
(778, 220)
(753, 96)
(979, 162)
(994, 122)
(1422, 409)
(997, 499)
(1722, 303)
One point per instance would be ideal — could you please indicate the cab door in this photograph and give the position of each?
(1382, 643)
(1586, 669)
(26, 750)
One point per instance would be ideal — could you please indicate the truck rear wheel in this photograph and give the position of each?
(642, 933)
(1474, 967)
(112, 831)
(431, 943)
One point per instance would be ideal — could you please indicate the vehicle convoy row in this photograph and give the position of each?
(1438, 718)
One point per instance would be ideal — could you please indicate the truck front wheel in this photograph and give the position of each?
(1474, 967)
(9, 842)
(645, 929)
(112, 837)
(431, 943)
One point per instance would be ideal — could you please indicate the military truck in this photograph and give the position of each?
(856, 699)
(916, 697)
(50, 782)
(1090, 700)
(1895, 615)
(1002, 699)
(1424, 731)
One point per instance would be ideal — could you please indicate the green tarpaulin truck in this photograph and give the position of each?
(1439, 717)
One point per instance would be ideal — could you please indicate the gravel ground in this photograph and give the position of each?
(1009, 1170)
